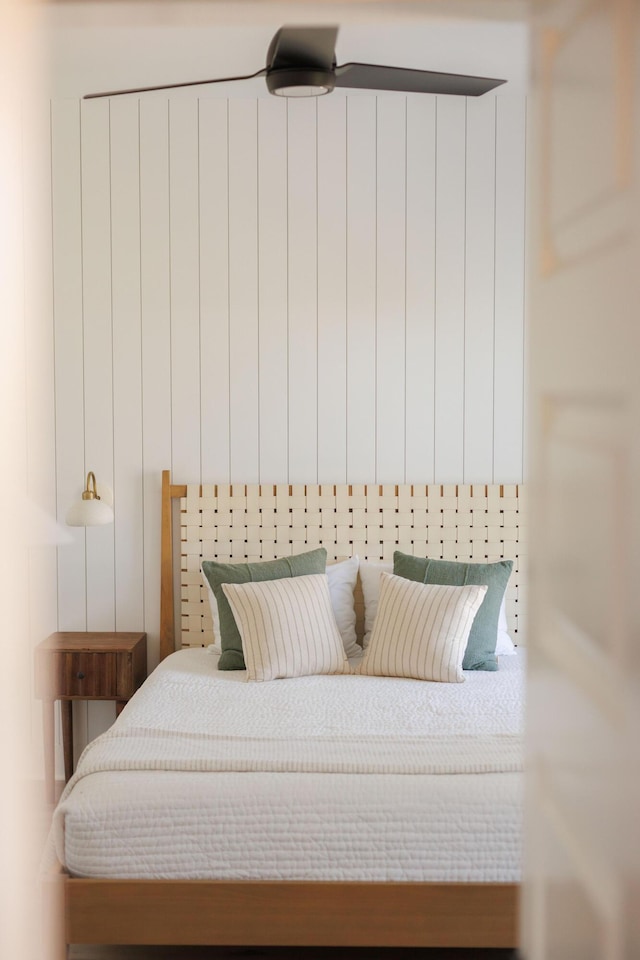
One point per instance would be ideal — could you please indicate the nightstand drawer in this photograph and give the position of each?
(87, 675)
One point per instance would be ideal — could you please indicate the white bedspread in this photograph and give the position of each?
(342, 777)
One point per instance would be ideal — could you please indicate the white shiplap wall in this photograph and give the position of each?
(256, 290)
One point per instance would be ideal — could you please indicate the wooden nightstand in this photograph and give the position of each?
(84, 666)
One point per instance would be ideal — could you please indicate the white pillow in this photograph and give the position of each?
(287, 627)
(505, 646)
(342, 579)
(370, 571)
(421, 630)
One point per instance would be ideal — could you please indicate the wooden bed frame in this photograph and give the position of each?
(470, 522)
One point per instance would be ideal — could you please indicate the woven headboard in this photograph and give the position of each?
(239, 522)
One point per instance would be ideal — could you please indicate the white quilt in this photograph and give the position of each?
(343, 777)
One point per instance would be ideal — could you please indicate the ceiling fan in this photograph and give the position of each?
(301, 62)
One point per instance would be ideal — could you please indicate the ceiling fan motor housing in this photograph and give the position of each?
(300, 82)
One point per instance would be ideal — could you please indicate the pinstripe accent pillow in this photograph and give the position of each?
(421, 630)
(287, 627)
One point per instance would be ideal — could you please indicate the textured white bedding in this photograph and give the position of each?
(251, 801)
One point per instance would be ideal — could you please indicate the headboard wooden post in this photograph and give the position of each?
(170, 492)
(167, 627)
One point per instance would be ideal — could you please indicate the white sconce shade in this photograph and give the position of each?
(92, 510)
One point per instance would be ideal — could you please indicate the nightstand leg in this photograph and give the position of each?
(49, 750)
(67, 737)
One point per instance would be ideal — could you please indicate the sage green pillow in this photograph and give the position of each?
(481, 646)
(315, 561)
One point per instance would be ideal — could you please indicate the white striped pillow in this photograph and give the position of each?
(421, 630)
(287, 627)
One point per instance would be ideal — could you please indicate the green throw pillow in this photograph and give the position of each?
(218, 573)
(481, 646)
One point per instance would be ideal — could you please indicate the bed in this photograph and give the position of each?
(293, 812)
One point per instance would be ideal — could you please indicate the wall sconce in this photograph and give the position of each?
(92, 510)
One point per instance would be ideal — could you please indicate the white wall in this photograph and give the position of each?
(256, 290)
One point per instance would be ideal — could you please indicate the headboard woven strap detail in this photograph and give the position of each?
(480, 523)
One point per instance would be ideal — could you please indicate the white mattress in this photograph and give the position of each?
(219, 819)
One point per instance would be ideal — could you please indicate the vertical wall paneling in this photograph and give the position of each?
(361, 289)
(332, 290)
(450, 297)
(156, 343)
(127, 364)
(98, 349)
(98, 365)
(66, 203)
(68, 356)
(391, 239)
(303, 290)
(185, 302)
(509, 294)
(243, 290)
(272, 288)
(479, 290)
(529, 265)
(420, 289)
(214, 290)
(255, 290)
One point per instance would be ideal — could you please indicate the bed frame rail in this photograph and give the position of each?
(269, 913)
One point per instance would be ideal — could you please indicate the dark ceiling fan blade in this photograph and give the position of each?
(371, 76)
(173, 86)
(311, 47)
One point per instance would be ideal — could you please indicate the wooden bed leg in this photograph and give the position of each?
(54, 941)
